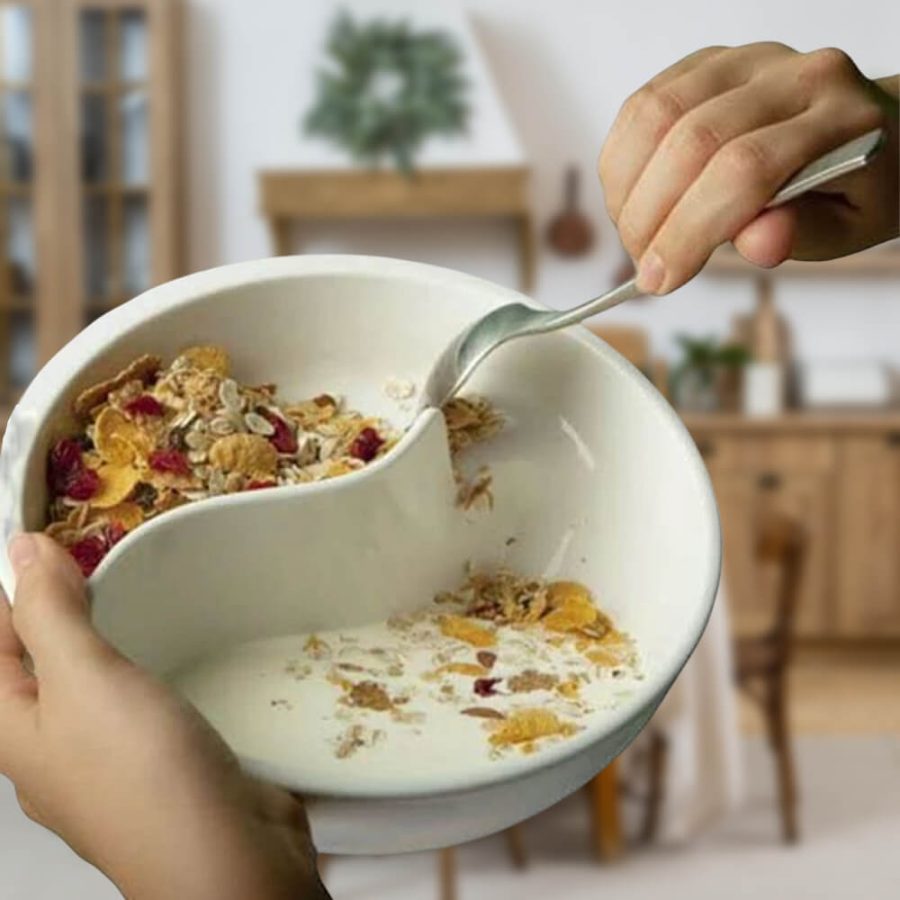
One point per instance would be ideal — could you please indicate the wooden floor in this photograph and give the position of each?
(841, 692)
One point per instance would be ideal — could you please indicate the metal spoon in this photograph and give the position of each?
(468, 349)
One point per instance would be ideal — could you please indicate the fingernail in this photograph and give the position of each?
(23, 551)
(651, 273)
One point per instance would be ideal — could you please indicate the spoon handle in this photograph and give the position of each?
(846, 158)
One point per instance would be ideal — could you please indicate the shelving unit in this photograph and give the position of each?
(89, 158)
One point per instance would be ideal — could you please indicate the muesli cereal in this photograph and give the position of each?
(153, 438)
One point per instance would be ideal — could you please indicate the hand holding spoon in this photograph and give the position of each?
(460, 359)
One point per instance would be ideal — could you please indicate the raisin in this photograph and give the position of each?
(145, 405)
(486, 687)
(63, 464)
(283, 438)
(89, 553)
(367, 444)
(170, 461)
(144, 495)
(83, 485)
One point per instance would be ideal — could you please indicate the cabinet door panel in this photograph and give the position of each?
(743, 499)
(869, 537)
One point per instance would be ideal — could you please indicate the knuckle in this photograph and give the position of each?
(827, 64)
(745, 160)
(768, 47)
(659, 106)
(697, 140)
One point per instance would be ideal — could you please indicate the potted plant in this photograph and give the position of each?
(707, 377)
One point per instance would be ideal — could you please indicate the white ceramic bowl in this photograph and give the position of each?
(596, 478)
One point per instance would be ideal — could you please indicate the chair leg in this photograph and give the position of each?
(447, 863)
(516, 845)
(606, 823)
(659, 752)
(784, 761)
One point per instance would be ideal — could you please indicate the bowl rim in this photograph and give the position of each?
(51, 382)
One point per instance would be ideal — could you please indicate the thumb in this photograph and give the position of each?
(768, 240)
(51, 612)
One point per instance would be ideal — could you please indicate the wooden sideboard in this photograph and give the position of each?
(840, 476)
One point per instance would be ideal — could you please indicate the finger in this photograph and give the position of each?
(769, 239)
(51, 610)
(648, 115)
(688, 147)
(17, 695)
(16, 685)
(738, 182)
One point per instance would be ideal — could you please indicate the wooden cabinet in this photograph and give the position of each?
(88, 168)
(756, 475)
(868, 541)
(840, 478)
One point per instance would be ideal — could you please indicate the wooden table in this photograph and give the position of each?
(308, 195)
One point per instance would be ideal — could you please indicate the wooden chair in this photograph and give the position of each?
(762, 662)
(761, 669)
(634, 344)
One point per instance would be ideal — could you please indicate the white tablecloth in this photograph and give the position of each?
(699, 719)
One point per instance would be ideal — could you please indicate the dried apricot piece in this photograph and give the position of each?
(464, 629)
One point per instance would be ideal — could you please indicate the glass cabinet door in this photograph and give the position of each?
(18, 264)
(113, 95)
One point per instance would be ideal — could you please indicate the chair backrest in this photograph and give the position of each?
(782, 543)
(632, 343)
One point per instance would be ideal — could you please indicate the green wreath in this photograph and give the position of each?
(387, 89)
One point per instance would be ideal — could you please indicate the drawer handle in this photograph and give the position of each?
(706, 448)
(769, 481)
(893, 439)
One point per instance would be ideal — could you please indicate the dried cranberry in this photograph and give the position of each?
(170, 461)
(114, 533)
(63, 463)
(367, 444)
(259, 485)
(486, 687)
(89, 553)
(283, 438)
(83, 485)
(145, 405)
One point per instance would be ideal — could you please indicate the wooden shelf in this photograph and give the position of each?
(878, 261)
(15, 188)
(105, 189)
(306, 195)
(18, 303)
(797, 420)
(112, 87)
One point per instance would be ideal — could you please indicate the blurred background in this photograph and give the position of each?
(144, 139)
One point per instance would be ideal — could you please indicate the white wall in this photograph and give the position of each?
(563, 68)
